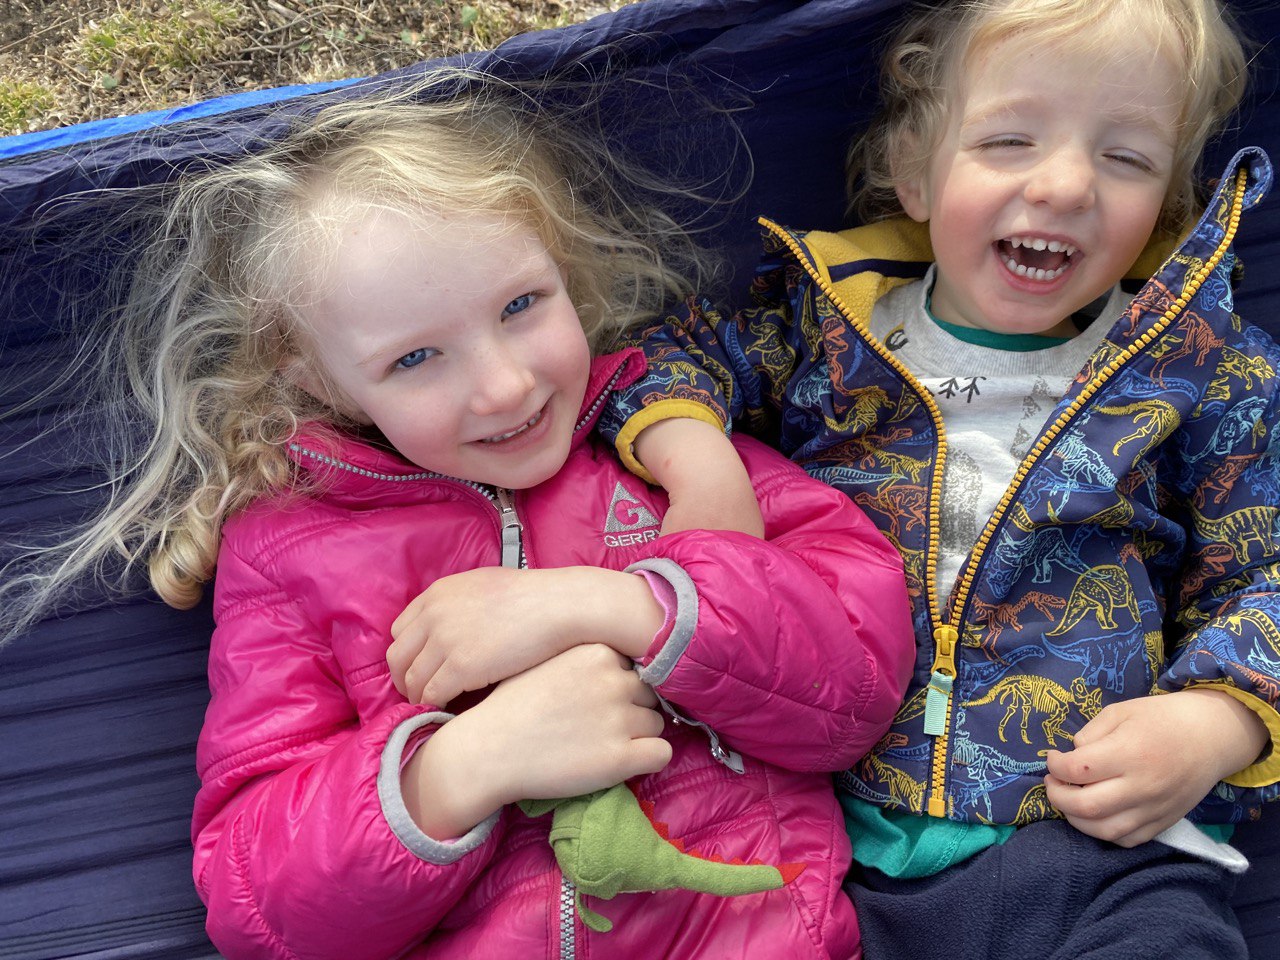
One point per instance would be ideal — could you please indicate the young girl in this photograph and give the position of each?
(367, 356)
(1084, 484)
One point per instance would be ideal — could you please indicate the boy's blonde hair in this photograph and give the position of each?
(199, 349)
(924, 66)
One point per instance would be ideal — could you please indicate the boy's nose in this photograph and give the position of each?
(503, 382)
(1064, 182)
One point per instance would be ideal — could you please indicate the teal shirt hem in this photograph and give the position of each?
(908, 846)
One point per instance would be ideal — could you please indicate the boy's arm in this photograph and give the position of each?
(722, 374)
(1139, 766)
(705, 480)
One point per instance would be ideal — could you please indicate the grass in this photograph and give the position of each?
(184, 35)
(23, 103)
(89, 59)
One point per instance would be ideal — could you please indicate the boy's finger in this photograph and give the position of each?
(1090, 803)
(1097, 728)
(1088, 764)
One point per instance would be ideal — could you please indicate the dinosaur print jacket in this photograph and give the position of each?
(1136, 550)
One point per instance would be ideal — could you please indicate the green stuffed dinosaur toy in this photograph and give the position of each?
(608, 843)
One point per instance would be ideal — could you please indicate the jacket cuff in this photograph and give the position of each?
(394, 756)
(665, 659)
(662, 410)
(1266, 769)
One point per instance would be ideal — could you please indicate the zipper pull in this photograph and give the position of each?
(510, 529)
(719, 752)
(937, 700)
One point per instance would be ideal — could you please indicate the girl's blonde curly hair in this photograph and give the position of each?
(196, 352)
(924, 64)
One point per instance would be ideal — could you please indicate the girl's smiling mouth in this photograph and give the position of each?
(527, 425)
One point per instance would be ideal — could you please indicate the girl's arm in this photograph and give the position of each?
(294, 852)
(796, 649)
(579, 722)
(473, 629)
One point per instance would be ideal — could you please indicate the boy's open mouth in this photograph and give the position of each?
(1035, 258)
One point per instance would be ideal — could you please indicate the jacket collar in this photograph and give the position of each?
(864, 263)
(348, 463)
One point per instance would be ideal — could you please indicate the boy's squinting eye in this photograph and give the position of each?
(414, 358)
(1009, 141)
(1132, 160)
(519, 304)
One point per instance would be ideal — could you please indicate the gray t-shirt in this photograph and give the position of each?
(994, 404)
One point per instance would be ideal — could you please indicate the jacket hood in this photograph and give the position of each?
(346, 463)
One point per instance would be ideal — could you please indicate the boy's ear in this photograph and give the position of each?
(913, 194)
(914, 197)
(912, 188)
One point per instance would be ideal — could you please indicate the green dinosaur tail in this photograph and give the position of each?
(607, 843)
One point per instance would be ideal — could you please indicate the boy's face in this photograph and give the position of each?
(457, 339)
(1048, 183)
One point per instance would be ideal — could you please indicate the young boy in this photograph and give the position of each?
(1084, 484)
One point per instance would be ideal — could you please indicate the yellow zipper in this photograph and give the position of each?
(946, 634)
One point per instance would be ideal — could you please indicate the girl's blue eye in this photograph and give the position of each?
(517, 305)
(414, 358)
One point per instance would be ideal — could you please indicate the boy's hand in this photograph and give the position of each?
(1141, 765)
(581, 721)
(703, 476)
(475, 628)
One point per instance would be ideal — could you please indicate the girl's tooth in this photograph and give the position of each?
(1022, 271)
(1053, 246)
(1038, 244)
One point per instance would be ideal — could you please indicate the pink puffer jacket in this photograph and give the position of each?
(792, 652)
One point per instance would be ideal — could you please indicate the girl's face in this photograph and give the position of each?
(1048, 182)
(456, 338)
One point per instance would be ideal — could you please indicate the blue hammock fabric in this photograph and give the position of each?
(100, 707)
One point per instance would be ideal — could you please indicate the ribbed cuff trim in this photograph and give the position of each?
(686, 617)
(662, 410)
(439, 852)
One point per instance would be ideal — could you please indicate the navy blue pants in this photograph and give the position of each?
(1051, 892)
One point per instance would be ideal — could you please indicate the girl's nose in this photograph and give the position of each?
(502, 382)
(1063, 181)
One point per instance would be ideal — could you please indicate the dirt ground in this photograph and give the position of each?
(64, 61)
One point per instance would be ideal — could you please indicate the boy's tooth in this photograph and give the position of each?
(1022, 271)
(1053, 246)
(1015, 242)
(1038, 244)
(1070, 250)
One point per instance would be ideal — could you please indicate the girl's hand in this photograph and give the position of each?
(473, 629)
(1141, 765)
(579, 722)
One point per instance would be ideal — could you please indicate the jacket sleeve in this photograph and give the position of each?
(294, 854)
(1229, 603)
(728, 372)
(795, 649)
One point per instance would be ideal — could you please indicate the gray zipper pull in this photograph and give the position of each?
(722, 754)
(510, 529)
